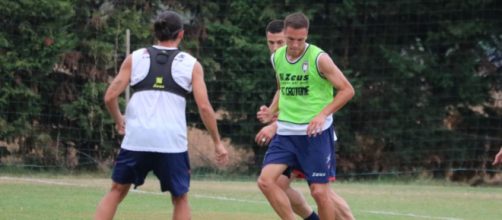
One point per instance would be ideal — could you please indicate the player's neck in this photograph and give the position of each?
(171, 44)
(294, 55)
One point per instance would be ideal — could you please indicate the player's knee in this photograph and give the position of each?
(120, 189)
(177, 200)
(264, 183)
(320, 194)
(296, 203)
(283, 182)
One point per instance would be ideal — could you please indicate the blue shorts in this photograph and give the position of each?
(172, 169)
(299, 174)
(312, 155)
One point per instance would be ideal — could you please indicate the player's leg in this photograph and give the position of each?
(298, 203)
(267, 182)
(314, 155)
(342, 211)
(129, 168)
(181, 209)
(321, 194)
(108, 205)
(279, 153)
(173, 172)
(296, 198)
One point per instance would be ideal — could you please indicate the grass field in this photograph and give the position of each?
(75, 197)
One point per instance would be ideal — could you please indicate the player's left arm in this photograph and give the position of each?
(344, 93)
(207, 113)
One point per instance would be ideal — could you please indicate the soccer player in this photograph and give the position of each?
(275, 39)
(305, 104)
(154, 125)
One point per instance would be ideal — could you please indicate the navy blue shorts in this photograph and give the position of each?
(299, 174)
(172, 169)
(314, 156)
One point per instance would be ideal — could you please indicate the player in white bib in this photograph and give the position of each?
(154, 125)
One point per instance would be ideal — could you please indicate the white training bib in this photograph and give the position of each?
(156, 120)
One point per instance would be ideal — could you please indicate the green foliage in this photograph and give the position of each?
(34, 33)
(92, 120)
(414, 64)
(420, 69)
(237, 64)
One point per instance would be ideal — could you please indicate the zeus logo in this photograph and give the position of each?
(293, 77)
(314, 174)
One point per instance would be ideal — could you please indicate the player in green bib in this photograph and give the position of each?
(306, 77)
(304, 92)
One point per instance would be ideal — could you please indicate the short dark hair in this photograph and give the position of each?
(167, 25)
(275, 26)
(296, 20)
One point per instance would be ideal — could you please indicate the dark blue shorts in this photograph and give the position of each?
(299, 174)
(172, 169)
(314, 156)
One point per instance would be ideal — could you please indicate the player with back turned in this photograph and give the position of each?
(155, 122)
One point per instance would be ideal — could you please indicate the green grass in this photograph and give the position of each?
(75, 197)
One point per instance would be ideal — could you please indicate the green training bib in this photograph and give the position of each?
(304, 92)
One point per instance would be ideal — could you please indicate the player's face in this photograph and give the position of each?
(295, 39)
(274, 41)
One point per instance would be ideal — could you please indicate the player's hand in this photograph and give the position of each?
(264, 115)
(120, 125)
(498, 158)
(221, 154)
(265, 135)
(315, 126)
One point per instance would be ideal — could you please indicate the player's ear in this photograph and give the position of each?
(181, 34)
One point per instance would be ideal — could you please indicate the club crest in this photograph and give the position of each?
(305, 66)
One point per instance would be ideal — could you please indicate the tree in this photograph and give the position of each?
(413, 64)
(34, 34)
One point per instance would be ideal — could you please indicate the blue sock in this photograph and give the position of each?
(313, 216)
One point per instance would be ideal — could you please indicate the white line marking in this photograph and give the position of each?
(409, 215)
(229, 199)
(48, 182)
(222, 198)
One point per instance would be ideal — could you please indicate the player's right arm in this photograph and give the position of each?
(269, 114)
(264, 136)
(206, 112)
(273, 108)
(116, 87)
